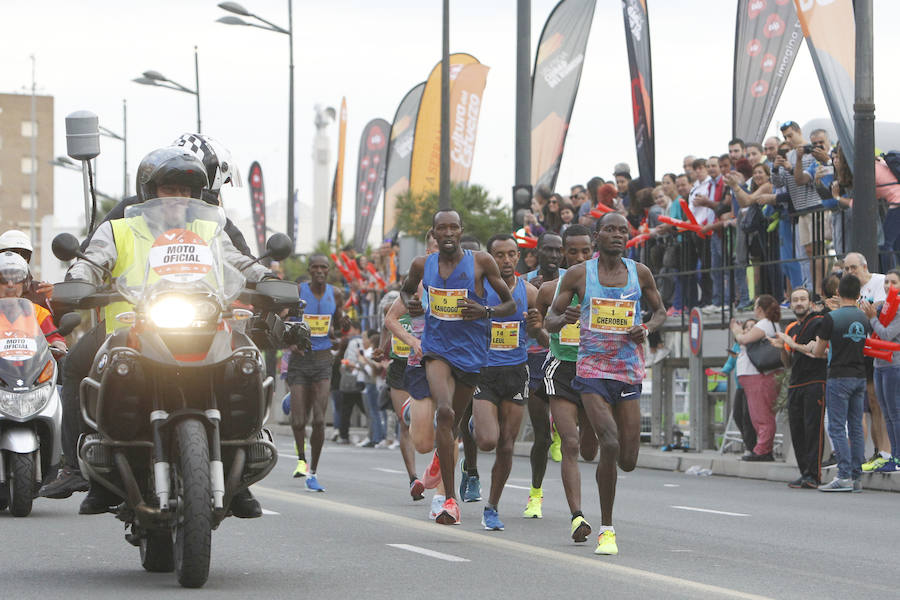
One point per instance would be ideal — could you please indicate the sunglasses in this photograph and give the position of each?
(554, 202)
(787, 124)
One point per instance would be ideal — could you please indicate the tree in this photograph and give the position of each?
(482, 216)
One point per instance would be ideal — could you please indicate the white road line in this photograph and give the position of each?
(671, 485)
(392, 471)
(431, 553)
(518, 487)
(266, 511)
(715, 512)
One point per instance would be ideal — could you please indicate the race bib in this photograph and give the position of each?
(181, 256)
(443, 304)
(318, 324)
(504, 335)
(15, 345)
(611, 316)
(399, 348)
(570, 334)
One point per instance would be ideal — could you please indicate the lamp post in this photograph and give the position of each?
(124, 139)
(158, 79)
(234, 7)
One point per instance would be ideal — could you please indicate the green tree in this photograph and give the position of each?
(482, 216)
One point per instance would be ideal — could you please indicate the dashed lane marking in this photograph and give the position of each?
(427, 552)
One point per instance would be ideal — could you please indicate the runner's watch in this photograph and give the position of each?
(488, 312)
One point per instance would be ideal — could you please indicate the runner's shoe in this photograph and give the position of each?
(606, 543)
(891, 466)
(301, 470)
(490, 520)
(555, 444)
(405, 411)
(533, 508)
(463, 479)
(417, 489)
(581, 529)
(875, 464)
(312, 484)
(473, 489)
(449, 514)
(436, 503)
(432, 476)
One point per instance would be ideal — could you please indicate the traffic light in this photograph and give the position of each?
(521, 204)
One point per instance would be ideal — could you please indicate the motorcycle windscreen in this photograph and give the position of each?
(23, 347)
(176, 245)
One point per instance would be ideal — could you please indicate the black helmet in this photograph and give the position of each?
(170, 166)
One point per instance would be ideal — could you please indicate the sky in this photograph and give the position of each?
(87, 53)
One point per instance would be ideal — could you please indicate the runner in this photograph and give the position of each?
(309, 373)
(499, 400)
(454, 341)
(610, 366)
(565, 403)
(549, 252)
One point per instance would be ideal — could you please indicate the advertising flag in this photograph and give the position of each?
(767, 39)
(465, 106)
(373, 147)
(425, 171)
(637, 38)
(554, 85)
(258, 205)
(337, 190)
(829, 27)
(399, 160)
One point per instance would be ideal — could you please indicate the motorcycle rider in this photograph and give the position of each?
(15, 279)
(217, 161)
(166, 172)
(17, 241)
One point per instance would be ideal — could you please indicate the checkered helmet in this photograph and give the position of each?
(215, 157)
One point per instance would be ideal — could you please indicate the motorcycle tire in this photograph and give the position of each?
(157, 552)
(193, 527)
(21, 484)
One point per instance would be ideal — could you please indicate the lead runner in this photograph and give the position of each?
(610, 364)
(455, 340)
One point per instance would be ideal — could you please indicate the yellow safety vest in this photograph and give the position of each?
(135, 250)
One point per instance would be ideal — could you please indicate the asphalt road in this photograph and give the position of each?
(679, 536)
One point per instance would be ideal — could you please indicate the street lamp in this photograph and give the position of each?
(158, 79)
(66, 163)
(234, 7)
(124, 139)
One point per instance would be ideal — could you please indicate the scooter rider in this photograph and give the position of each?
(18, 242)
(219, 169)
(15, 280)
(167, 172)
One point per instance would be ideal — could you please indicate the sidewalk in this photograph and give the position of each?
(726, 465)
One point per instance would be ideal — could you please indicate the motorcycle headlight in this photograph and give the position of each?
(21, 405)
(177, 312)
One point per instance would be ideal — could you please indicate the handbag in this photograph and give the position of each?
(764, 356)
(753, 220)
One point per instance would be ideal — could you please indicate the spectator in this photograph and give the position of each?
(578, 196)
(806, 394)
(682, 282)
(606, 195)
(592, 186)
(530, 258)
(622, 174)
(701, 206)
(567, 215)
(712, 167)
(740, 412)
(736, 150)
(668, 185)
(871, 284)
(725, 164)
(660, 207)
(887, 190)
(688, 165)
(350, 385)
(540, 200)
(842, 199)
(755, 153)
(846, 330)
(760, 388)
(887, 379)
(367, 372)
(770, 148)
(759, 192)
(552, 218)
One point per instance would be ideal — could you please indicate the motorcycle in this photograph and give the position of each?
(30, 411)
(177, 397)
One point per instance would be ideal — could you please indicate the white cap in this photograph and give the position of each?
(13, 267)
(15, 239)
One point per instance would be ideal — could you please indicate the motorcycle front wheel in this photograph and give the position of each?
(192, 535)
(21, 484)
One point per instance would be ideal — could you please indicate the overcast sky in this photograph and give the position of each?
(372, 53)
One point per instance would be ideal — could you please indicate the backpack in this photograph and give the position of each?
(892, 159)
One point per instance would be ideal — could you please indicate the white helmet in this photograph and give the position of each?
(15, 240)
(13, 268)
(215, 157)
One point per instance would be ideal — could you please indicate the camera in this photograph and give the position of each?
(782, 152)
(808, 148)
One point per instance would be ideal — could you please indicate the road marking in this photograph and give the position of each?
(635, 577)
(671, 485)
(431, 553)
(709, 510)
(266, 511)
(518, 487)
(391, 471)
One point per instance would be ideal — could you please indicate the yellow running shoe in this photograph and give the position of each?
(533, 508)
(555, 446)
(606, 543)
(873, 465)
(581, 529)
(300, 471)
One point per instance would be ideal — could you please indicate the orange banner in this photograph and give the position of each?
(426, 157)
(337, 190)
(465, 107)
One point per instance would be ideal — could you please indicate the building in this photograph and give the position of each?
(17, 165)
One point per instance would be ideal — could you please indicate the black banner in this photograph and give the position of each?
(369, 177)
(399, 157)
(766, 42)
(554, 85)
(258, 205)
(637, 38)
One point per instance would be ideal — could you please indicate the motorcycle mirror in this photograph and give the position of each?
(65, 247)
(279, 247)
(68, 322)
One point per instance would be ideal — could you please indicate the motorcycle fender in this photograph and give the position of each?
(20, 440)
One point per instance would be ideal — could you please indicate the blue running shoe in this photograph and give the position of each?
(472, 426)
(473, 489)
(490, 520)
(312, 484)
(463, 480)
